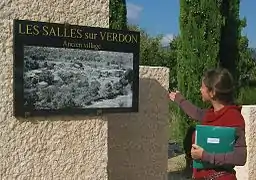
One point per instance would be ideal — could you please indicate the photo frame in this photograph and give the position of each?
(63, 69)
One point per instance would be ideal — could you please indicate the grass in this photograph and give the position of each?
(176, 124)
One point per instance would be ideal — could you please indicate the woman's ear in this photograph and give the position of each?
(212, 94)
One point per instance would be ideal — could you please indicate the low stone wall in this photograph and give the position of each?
(49, 148)
(248, 172)
(137, 142)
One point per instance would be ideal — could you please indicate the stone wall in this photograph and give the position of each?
(117, 146)
(248, 172)
(137, 143)
(60, 147)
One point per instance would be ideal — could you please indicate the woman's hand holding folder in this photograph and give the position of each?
(196, 152)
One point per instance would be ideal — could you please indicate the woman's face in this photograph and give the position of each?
(206, 94)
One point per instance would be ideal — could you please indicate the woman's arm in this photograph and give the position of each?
(190, 109)
(235, 158)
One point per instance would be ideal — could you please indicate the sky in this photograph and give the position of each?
(162, 17)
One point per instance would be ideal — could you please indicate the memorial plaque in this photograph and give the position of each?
(62, 69)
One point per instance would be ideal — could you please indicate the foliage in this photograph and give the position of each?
(247, 95)
(177, 124)
(200, 34)
(117, 14)
(152, 53)
(230, 35)
(247, 65)
(253, 50)
(247, 69)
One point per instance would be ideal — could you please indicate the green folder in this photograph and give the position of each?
(214, 139)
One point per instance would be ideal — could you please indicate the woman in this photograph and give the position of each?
(217, 88)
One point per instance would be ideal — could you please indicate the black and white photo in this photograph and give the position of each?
(59, 78)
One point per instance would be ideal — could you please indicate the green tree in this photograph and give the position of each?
(174, 47)
(230, 35)
(246, 64)
(199, 45)
(152, 53)
(117, 14)
(246, 68)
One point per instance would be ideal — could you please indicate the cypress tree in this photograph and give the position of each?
(200, 33)
(230, 36)
(117, 14)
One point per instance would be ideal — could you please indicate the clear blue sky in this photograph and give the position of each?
(162, 17)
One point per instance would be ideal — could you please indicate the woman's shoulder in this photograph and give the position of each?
(234, 117)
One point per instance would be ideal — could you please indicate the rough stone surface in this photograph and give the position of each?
(248, 172)
(138, 142)
(57, 148)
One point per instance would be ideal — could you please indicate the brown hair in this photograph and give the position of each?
(220, 81)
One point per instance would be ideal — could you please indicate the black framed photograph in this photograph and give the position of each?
(63, 69)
